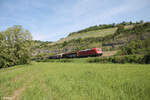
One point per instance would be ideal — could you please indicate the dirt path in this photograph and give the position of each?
(17, 93)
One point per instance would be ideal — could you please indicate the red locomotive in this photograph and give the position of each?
(90, 52)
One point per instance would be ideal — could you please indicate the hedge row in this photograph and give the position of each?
(141, 59)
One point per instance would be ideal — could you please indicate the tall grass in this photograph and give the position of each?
(77, 81)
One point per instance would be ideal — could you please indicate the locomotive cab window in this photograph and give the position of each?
(98, 49)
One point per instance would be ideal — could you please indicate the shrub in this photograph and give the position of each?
(146, 58)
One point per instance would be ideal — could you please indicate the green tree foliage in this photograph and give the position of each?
(64, 44)
(136, 47)
(147, 58)
(78, 40)
(120, 29)
(15, 46)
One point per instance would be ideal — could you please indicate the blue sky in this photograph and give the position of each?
(50, 20)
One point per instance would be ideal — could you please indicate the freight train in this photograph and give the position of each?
(83, 53)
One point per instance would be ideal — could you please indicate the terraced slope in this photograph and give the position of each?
(89, 34)
(96, 33)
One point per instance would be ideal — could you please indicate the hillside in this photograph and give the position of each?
(89, 34)
(92, 33)
(110, 38)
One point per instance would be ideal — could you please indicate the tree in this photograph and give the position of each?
(130, 22)
(147, 58)
(78, 40)
(64, 44)
(141, 21)
(120, 29)
(15, 46)
(123, 23)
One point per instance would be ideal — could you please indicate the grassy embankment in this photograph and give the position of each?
(75, 81)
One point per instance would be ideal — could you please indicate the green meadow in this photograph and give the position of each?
(75, 81)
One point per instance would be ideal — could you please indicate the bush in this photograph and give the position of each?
(146, 58)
